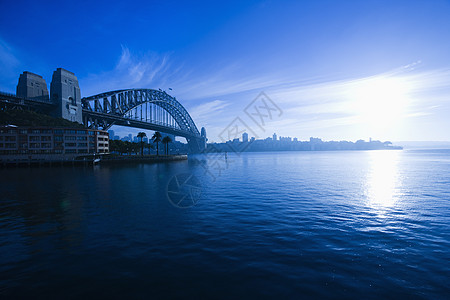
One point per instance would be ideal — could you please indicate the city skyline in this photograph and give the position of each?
(376, 69)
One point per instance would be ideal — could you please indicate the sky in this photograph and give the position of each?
(337, 70)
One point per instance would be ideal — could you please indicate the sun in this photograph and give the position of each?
(380, 103)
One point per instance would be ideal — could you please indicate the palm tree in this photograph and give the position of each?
(166, 140)
(142, 135)
(156, 139)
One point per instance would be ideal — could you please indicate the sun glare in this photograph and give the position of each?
(380, 103)
(383, 181)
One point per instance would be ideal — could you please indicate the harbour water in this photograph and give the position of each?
(343, 224)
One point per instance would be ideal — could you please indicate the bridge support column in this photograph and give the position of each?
(65, 94)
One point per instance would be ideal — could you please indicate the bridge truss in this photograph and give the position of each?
(141, 108)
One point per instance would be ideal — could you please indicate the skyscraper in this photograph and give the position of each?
(245, 137)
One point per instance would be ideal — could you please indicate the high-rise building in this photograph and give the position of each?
(111, 134)
(32, 86)
(65, 93)
(274, 137)
(245, 137)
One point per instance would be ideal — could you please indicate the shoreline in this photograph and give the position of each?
(26, 162)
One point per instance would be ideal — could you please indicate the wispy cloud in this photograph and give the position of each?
(10, 65)
(308, 104)
(208, 111)
(131, 71)
(7, 56)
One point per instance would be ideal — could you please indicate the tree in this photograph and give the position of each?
(129, 147)
(156, 139)
(166, 140)
(142, 135)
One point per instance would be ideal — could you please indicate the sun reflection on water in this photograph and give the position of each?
(383, 180)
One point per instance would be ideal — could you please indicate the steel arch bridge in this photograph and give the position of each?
(142, 108)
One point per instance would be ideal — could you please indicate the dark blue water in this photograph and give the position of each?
(291, 225)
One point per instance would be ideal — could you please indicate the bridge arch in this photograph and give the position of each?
(142, 108)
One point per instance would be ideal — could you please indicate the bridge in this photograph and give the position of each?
(138, 108)
(142, 108)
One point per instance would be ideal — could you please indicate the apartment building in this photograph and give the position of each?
(44, 140)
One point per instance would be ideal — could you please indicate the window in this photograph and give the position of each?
(35, 138)
(71, 151)
(72, 101)
(58, 131)
(58, 138)
(82, 144)
(70, 145)
(81, 131)
(23, 131)
(71, 132)
(46, 138)
(10, 145)
(82, 138)
(10, 138)
(36, 131)
(71, 138)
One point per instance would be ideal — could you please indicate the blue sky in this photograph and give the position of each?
(337, 69)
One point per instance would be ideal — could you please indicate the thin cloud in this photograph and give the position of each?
(206, 112)
(7, 57)
(308, 104)
(131, 71)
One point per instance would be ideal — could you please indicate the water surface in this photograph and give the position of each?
(365, 224)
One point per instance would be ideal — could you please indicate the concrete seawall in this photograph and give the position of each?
(56, 160)
(142, 159)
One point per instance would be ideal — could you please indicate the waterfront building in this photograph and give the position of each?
(32, 86)
(285, 139)
(28, 140)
